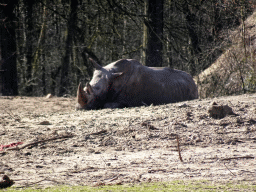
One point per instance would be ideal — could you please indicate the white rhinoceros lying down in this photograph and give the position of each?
(127, 83)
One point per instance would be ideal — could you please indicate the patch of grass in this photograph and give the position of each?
(193, 186)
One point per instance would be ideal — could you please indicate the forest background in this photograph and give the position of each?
(45, 45)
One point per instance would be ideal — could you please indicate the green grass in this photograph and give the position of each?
(170, 186)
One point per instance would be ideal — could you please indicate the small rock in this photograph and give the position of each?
(6, 182)
(45, 123)
(219, 111)
(91, 150)
(118, 149)
(183, 105)
(189, 114)
(39, 166)
(27, 153)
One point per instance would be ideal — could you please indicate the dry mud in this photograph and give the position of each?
(132, 145)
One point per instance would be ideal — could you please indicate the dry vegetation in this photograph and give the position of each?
(64, 146)
(234, 71)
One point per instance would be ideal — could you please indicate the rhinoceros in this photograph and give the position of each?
(127, 83)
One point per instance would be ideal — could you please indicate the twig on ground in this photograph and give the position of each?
(114, 178)
(229, 170)
(178, 146)
(45, 179)
(96, 133)
(12, 115)
(43, 141)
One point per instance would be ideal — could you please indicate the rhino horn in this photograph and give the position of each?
(81, 96)
(89, 89)
(95, 64)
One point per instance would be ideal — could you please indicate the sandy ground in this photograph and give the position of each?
(132, 145)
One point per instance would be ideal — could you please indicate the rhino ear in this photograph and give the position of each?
(95, 64)
(89, 88)
(81, 97)
(115, 75)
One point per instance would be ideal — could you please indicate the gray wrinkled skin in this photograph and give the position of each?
(127, 83)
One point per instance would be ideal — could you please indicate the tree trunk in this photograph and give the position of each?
(29, 45)
(8, 65)
(153, 33)
(194, 49)
(40, 52)
(217, 25)
(65, 81)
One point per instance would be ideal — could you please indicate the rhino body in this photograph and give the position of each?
(127, 83)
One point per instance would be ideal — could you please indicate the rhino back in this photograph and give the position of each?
(157, 86)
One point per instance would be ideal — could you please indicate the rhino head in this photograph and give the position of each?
(84, 96)
(94, 95)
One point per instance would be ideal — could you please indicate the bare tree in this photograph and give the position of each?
(8, 48)
(153, 33)
(65, 67)
(54, 39)
(29, 4)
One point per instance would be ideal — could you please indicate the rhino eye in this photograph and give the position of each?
(97, 88)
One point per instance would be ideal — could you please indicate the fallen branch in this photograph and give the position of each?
(43, 141)
(96, 133)
(45, 179)
(178, 146)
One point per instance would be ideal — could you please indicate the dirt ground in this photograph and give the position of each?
(132, 145)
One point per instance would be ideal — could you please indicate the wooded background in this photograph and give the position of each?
(45, 44)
